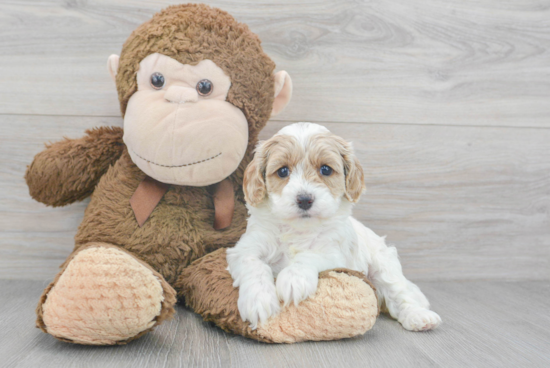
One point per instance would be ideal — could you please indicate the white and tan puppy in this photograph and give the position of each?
(300, 189)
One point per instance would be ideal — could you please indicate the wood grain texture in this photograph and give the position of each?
(458, 202)
(446, 102)
(485, 324)
(404, 61)
(34, 237)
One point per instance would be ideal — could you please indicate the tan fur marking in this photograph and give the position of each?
(253, 182)
(285, 151)
(321, 149)
(324, 150)
(261, 175)
(355, 178)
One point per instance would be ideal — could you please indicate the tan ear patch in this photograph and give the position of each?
(260, 174)
(253, 182)
(322, 150)
(355, 178)
(282, 151)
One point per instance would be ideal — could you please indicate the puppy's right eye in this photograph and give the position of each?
(326, 170)
(283, 172)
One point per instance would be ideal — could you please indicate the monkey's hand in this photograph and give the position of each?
(67, 171)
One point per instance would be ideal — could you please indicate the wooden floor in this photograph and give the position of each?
(486, 324)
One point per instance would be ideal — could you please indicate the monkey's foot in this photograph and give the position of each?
(104, 296)
(344, 305)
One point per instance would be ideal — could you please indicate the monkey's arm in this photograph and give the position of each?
(67, 171)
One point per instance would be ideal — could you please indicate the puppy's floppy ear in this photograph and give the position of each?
(254, 182)
(355, 179)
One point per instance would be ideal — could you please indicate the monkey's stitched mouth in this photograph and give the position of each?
(170, 166)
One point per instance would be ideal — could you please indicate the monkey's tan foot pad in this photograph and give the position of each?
(104, 296)
(345, 304)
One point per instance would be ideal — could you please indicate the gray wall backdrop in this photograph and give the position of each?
(447, 103)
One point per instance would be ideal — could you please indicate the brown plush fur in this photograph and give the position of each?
(68, 171)
(180, 229)
(208, 289)
(194, 32)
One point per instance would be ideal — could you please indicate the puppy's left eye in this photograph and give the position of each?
(283, 172)
(326, 170)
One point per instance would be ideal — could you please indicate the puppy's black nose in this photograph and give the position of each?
(304, 201)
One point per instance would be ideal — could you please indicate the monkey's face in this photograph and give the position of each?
(178, 126)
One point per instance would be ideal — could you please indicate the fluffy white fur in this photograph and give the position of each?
(281, 242)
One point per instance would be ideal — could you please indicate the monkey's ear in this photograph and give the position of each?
(112, 66)
(283, 92)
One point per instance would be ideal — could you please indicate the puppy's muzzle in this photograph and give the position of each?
(304, 201)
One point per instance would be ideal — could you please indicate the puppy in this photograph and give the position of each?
(300, 189)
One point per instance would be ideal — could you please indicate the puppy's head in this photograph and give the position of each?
(304, 171)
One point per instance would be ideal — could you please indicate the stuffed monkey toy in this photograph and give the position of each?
(195, 89)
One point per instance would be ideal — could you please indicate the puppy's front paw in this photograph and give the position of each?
(295, 284)
(419, 319)
(257, 303)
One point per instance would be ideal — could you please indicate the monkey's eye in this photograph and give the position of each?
(326, 170)
(283, 172)
(205, 87)
(157, 80)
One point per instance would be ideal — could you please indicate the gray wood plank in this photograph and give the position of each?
(490, 324)
(34, 237)
(485, 324)
(405, 61)
(458, 202)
